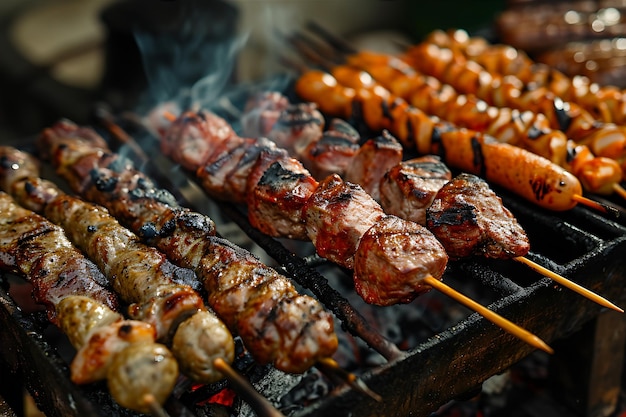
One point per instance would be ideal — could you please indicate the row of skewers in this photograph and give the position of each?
(344, 222)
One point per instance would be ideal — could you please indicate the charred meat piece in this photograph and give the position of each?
(282, 326)
(187, 241)
(196, 137)
(226, 177)
(334, 151)
(375, 157)
(336, 216)
(292, 126)
(275, 204)
(470, 219)
(261, 112)
(393, 257)
(409, 188)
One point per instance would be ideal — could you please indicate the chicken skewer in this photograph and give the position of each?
(276, 323)
(140, 373)
(406, 190)
(343, 222)
(141, 275)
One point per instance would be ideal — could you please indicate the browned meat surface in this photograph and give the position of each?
(337, 215)
(334, 151)
(275, 204)
(409, 188)
(375, 157)
(470, 219)
(185, 238)
(196, 137)
(393, 257)
(292, 126)
(226, 177)
(35, 248)
(282, 326)
(261, 113)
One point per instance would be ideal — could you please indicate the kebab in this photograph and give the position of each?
(143, 276)
(276, 323)
(340, 219)
(408, 189)
(604, 139)
(535, 178)
(605, 103)
(525, 129)
(140, 373)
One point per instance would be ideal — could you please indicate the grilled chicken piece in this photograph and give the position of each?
(375, 157)
(334, 151)
(191, 244)
(469, 218)
(409, 188)
(275, 203)
(336, 216)
(393, 257)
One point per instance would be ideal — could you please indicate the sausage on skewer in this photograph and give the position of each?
(141, 275)
(71, 288)
(277, 324)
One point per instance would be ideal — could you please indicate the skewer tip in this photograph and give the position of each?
(331, 366)
(603, 208)
(490, 315)
(569, 284)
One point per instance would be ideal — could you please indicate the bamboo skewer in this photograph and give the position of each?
(259, 403)
(490, 315)
(568, 284)
(332, 52)
(156, 409)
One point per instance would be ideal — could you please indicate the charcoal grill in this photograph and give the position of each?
(448, 363)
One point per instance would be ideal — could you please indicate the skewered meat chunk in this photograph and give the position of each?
(187, 139)
(334, 151)
(409, 248)
(275, 203)
(193, 245)
(292, 126)
(261, 112)
(375, 157)
(277, 322)
(409, 188)
(336, 216)
(470, 219)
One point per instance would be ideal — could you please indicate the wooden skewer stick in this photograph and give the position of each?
(493, 317)
(621, 191)
(569, 284)
(331, 367)
(259, 403)
(156, 409)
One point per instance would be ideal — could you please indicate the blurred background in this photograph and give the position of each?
(59, 57)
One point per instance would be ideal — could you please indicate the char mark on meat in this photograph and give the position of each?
(470, 219)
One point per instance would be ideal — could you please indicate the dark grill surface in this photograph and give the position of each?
(442, 357)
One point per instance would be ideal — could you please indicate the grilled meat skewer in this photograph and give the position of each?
(140, 274)
(276, 323)
(77, 301)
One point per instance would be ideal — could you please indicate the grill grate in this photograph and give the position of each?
(452, 359)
